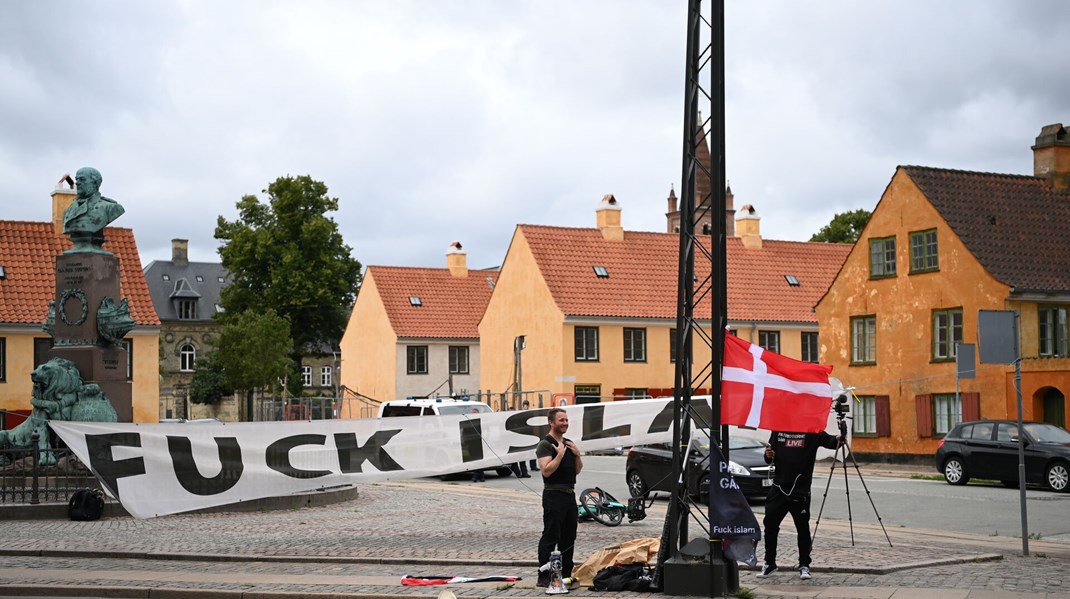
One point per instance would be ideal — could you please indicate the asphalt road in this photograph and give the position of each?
(900, 501)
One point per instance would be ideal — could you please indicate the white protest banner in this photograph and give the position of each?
(158, 469)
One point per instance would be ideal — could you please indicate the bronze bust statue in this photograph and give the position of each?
(85, 219)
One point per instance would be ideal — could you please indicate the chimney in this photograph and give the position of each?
(729, 212)
(62, 198)
(457, 260)
(180, 252)
(747, 227)
(608, 218)
(1051, 156)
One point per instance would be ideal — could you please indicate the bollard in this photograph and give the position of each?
(35, 451)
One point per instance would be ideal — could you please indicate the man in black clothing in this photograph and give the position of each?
(793, 455)
(559, 463)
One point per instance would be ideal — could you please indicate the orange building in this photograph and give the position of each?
(597, 306)
(28, 253)
(942, 245)
(412, 332)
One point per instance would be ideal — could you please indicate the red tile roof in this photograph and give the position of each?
(1014, 225)
(643, 269)
(451, 307)
(28, 253)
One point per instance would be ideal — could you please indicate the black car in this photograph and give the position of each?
(988, 449)
(649, 467)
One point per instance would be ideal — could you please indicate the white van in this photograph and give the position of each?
(438, 406)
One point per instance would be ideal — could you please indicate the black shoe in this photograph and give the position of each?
(544, 580)
(767, 569)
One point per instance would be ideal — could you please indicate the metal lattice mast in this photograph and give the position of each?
(702, 293)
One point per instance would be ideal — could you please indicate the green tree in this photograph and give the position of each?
(844, 228)
(254, 351)
(210, 383)
(287, 255)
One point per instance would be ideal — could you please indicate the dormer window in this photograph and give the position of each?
(186, 309)
(415, 301)
(792, 280)
(601, 272)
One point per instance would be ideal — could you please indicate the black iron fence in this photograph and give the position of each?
(32, 476)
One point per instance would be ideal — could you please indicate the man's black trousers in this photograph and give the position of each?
(777, 507)
(559, 519)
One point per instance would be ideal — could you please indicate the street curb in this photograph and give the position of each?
(292, 559)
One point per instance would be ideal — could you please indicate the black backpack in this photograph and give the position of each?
(86, 504)
(623, 577)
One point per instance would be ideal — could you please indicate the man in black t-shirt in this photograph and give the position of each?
(559, 463)
(793, 456)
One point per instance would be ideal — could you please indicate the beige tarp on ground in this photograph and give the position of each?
(629, 552)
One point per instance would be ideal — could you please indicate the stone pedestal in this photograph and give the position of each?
(83, 280)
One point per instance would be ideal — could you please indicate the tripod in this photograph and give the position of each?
(846, 484)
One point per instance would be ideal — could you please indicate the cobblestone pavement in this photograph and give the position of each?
(361, 548)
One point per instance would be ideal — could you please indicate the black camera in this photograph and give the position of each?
(841, 406)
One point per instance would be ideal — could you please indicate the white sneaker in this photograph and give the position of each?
(767, 569)
(804, 573)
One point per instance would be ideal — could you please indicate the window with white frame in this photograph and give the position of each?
(924, 256)
(458, 355)
(882, 257)
(947, 412)
(634, 345)
(864, 417)
(769, 340)
(326, 376)
(1052, 331)
(416, 359)
(586, 344)
(947, 333)
(809, 346)
(187, 357)
(306, 376)
(864, 339)
(187, 309)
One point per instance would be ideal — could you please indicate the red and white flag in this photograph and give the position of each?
(763, 389)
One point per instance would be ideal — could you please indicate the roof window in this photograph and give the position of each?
(167, 277)
(601, 272)
(794, 282)
(220, 279)
(200, 279)
(3, 273)
(415, 300)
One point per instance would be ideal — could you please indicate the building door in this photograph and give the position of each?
(1055, 407)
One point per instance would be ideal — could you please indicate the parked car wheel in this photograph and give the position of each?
(955, 471)
(1058, 477)
(636, 486)
(704, 489)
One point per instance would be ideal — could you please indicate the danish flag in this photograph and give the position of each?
(763, 389)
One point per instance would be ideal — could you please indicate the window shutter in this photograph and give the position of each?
(884, 416)
(971, 406)
(923, 405)
(621, 392)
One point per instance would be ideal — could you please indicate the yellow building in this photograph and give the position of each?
(941, 245)
(597, 306)
(412, 333)
(28, 253)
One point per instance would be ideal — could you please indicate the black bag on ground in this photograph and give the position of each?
(623, 577)
(86, 504)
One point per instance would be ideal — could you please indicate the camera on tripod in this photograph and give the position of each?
(842, 408)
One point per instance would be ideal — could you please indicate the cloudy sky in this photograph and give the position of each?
(441, 121)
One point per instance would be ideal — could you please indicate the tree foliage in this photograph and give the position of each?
(254, 349)
(210, 383)
(844, 227)
(288, 256)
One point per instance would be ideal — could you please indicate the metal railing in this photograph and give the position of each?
(26, 479)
